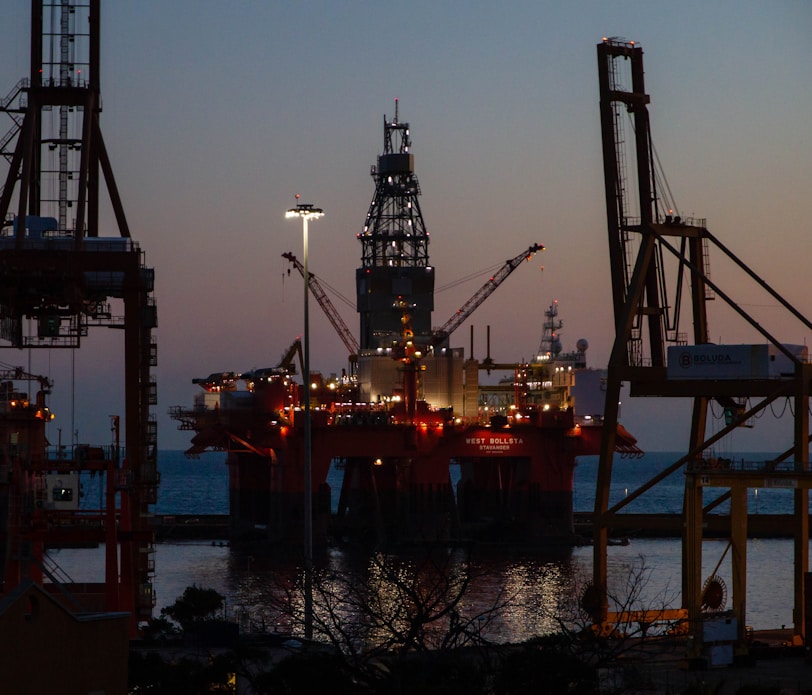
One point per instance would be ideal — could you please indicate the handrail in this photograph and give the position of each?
(24, 83)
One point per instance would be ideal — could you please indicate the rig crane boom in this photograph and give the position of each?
(19, 374)
(324, 302)
(442, 333)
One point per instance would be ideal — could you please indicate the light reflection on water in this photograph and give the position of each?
(535, 583)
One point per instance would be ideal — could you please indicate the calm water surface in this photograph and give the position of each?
(535, 583)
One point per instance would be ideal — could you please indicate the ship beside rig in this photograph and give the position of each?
(409, 407)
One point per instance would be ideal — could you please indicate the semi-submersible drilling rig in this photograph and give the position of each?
(409, 407)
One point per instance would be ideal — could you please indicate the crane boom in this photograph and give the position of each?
(440, 334)
(334, 317)
(19, 374)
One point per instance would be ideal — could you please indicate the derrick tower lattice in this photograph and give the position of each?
(394, 248)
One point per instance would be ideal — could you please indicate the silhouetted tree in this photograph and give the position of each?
(546, 664)
(639, 616)
(379, 616)
(192, 671)
(195, 605)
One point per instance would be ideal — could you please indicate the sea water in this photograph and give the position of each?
(200, 485)
(537, 582)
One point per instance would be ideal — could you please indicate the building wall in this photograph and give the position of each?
(441, 381)
(46, 649)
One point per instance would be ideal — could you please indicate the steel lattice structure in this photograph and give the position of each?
(395, 270)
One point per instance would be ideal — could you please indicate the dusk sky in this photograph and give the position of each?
(217, 113)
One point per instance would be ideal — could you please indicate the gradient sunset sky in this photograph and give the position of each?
(216, 113)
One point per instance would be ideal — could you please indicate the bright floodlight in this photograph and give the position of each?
(306, 211)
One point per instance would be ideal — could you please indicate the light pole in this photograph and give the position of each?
(307, 212)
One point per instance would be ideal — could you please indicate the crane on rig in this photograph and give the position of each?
(459, 317)
(438, 334)
(333, 316)
(8, 373)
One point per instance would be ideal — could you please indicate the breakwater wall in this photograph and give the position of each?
(216, 526)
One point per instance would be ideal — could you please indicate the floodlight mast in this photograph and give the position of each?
(307, 212)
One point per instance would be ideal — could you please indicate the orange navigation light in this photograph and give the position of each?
(44, 414)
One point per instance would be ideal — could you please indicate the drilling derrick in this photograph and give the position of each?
(394, 258)
(62, 274)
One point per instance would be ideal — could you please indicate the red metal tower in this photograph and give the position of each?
(62, 274)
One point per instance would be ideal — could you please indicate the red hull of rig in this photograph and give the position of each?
(515, 484)
(519, 479)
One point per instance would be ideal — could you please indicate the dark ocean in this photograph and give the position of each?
(538, 580)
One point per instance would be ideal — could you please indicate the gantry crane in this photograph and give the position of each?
(643, 248)
(60, 270)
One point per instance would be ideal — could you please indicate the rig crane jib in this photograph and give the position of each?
(288, 361)
(19, 374)
(10, 397)
(441, 334)
(333, 316)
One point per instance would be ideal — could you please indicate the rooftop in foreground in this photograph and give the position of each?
(661, 667)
